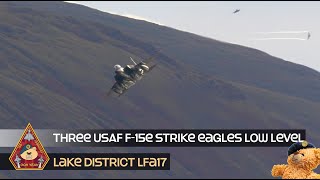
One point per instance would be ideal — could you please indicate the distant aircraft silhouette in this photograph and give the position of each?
(309, 35)
(237, 10)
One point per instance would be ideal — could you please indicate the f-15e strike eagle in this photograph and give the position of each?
(129, 75)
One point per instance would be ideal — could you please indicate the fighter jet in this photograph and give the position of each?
(237, 10)
(129, 75)
(309, 35)
(40, 161)
(29, 136)
(17, 160)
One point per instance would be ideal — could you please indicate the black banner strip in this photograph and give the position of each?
(100, 161)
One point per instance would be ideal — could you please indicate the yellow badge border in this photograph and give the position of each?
(40, 144)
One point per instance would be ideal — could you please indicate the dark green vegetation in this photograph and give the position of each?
(56, 64)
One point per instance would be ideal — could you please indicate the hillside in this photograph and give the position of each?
(228, 61)
(57, 64)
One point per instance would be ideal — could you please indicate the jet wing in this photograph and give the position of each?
(120, 89)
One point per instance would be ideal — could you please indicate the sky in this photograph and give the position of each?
(290, 22)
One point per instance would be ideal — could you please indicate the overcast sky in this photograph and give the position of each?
(216, 20)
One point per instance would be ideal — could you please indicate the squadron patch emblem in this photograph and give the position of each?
(29, 153)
